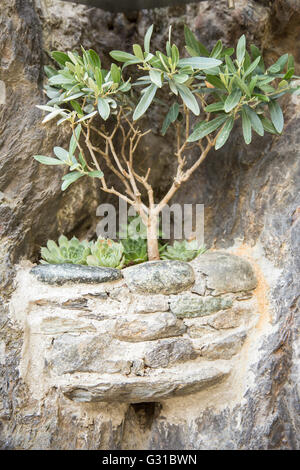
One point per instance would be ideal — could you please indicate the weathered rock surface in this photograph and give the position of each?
(74, 273)
(225, 272)
(167, 351)
(159, 277)
(135, 390)
(150, 304)
(86, 354)
(223, 347)
(192, 305)
(146, 328)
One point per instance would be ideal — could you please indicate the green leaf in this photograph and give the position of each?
(194, 44)
(60, 57)
(255, 52)
(268, 126)
(121, 56)
(77, 107)
(94, 58)
(96, 174)
(138, 51)
(115, 73)
(224, 133)
(170, 117)
(155, 77)
(214, 107)
(216, 52)
(73, 141)
(188, 98)
(242, 85)
(62, 154)
(147, 39)
(230, 64)
(276, 115)
(204, 128)
(215, 81)
(201, 63)
(246, 124)
(145, 101)
(232, 100)
(241, 49)
(254, 119)
(252, 67)
(279, 64)
(48, 160)
(103, 108)
(175, 54)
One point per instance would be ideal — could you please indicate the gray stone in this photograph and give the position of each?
(168, 351)
(57, 325)
(148, 388)
(222, 320)
(223, 347)
(74, 273)
(159, 277)
(150, 304)
(148, 327)
(87, 353)
(192, 305)
(225, 272)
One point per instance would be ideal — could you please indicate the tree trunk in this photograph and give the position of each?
(152, 237)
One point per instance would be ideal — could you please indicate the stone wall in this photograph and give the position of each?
(145, 335)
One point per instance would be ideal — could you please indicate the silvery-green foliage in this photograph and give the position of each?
(66, 251)
(106, 253)
(183, 251)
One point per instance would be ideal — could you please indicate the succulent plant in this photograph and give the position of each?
(135, 250)
(67, 251)
(183, 251)
(106, 253)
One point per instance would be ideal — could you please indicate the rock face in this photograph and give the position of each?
(251, 199)
(159, 277)
(96, 342)
(72, 273)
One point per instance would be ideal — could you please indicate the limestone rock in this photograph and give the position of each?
(168, 351)
(225, 319)
(223, 347)
(159, 277)
(87, 353)
(192, 305)
(150, 304)
(74, 273)
(148, 327)
(148, 388)
(225, 272)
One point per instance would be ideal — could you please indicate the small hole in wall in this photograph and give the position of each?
(146, 413)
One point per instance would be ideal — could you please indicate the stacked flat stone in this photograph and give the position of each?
(146, 333)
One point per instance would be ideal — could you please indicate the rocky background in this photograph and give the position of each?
(250, 194)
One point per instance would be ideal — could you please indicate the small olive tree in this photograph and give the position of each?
(206, 93)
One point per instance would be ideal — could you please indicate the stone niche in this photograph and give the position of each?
(147, 333)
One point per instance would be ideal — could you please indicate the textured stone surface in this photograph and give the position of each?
(135, 390)
(223, 347)
(145, 328)
(86, 354)
(167, 351)
(159, 277)
(192, 305)
(225, 272)
(150, 304)
(74, 273)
